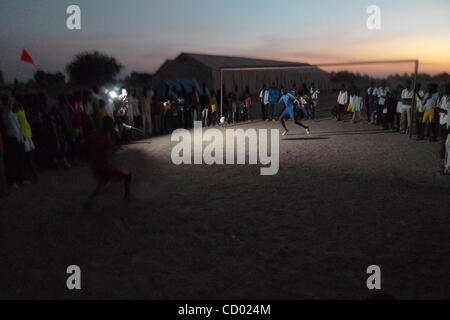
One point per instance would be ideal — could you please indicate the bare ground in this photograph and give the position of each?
(347, 197)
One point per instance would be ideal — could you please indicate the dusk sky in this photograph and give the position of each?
(141, 34)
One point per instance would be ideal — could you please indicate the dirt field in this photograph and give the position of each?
(346, 197)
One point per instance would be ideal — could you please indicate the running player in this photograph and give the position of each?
(289, 101)
(101, 144)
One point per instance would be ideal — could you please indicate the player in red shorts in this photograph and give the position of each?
(101, 145)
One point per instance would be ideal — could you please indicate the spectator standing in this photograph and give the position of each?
(228, 108)
(351, 101)
(234, 106)
(180, 110)
(248, 106)
(146, 107)
(214, 108)
(195, 104)
(370, 102)
(420, 110)
(63, 119)
(446, 142)
(391, 109)
(156, 113)
(357, 106)
(204, 105)
(219, 104)
(314, 94)
(131, 104)
(407, 99)
(437, 114)
(381, 108)
(77, 125)
(29, 172)
(274, 95)
(3, 183)
(134, 110)
(443, 114)
(399, 108)
(342, 103)
(430, 102)
(13, 141)
(264, 100)
(167, 116)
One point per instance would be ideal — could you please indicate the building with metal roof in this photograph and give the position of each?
(205, 69)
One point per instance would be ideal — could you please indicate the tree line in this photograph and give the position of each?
(94, 69)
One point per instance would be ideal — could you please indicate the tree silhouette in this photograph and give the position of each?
(442, 77)
(45, 79)
(93, 69)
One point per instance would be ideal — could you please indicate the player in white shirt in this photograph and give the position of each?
(357, 106)
(420, 95)
(406, 117)
(264, 99)
(381, 94)
(314, 99)
(399, 108)
(342, 103)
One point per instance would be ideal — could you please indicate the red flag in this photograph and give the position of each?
(26, 57)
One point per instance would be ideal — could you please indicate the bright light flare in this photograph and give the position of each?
(113, 94)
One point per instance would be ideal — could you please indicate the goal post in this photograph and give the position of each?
(414, 62)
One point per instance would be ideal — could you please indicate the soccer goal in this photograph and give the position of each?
(322, 76)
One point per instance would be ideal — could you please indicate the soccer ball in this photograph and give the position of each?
(222, 121)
